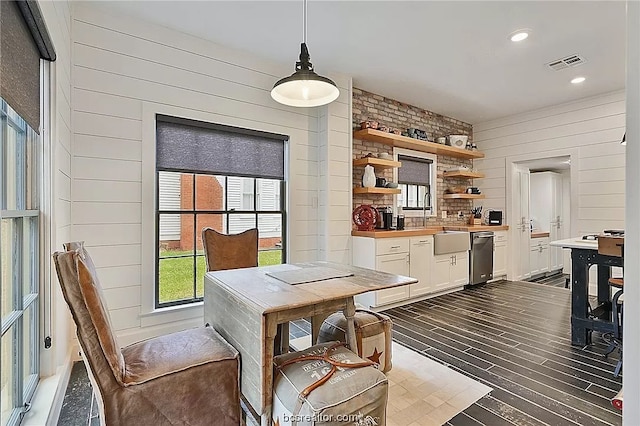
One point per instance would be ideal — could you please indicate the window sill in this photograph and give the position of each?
(172, 313)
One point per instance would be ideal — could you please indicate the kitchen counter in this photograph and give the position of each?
(415, 232)
(539, 234)
(381, 233)
(475, 228)
(576, 242)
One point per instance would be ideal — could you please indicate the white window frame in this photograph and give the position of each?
(179, 316)
(433, 178)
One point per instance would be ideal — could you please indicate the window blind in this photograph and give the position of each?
(198, 147)
(23, 41)
(414, 170)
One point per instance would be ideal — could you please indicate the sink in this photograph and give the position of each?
(451, 242)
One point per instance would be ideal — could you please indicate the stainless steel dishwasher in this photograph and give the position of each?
(481, 257)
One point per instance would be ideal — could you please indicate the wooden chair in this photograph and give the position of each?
(233, 251)
(188, 377)
(614, 246)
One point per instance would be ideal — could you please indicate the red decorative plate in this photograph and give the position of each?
(365, 217)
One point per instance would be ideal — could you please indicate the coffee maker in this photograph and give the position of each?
(385, 218)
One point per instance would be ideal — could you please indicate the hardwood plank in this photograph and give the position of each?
(523, 330)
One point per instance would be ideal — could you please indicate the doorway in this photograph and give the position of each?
(539, 205)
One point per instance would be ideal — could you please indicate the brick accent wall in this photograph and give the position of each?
(398, 115)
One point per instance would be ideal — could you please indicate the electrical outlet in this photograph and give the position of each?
(444, 214)
(460, 214)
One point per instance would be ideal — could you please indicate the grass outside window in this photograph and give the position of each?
(176, 273)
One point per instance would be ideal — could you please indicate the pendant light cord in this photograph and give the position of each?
(304, 21)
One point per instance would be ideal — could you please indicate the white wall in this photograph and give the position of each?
(591, 128)
(125, 71)
(631, 333)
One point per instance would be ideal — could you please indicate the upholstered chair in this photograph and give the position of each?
(184, 378)
(234, 251)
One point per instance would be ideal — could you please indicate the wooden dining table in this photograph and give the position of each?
(246, 305)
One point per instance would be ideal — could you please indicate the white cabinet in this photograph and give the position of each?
(420, 259)
(394, 264)
(450, 270)
(547, 211)
(500, 254)
(387, 255)
(539, 256)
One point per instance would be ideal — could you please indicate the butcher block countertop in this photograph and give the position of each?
(475, 228)
(416, 232)
(539, 234)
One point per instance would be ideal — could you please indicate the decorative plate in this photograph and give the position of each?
(365, 217)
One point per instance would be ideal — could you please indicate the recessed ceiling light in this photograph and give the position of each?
(519, 35)
(578, 80)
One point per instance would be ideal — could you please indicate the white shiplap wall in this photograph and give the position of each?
(125, 71)
(334, 151)
(590, 128)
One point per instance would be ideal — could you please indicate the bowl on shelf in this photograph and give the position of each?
(391, 185)
(458, 141)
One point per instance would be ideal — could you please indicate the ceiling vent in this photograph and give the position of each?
(569, 61)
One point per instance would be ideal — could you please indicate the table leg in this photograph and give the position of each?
(316, 323)
(349, 313)
(271, 329)
(579, 296)
(604, 294)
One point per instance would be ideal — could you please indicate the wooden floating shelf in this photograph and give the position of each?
(377, 163)
(463, 196)
(376, 190)
(462, 174)
(414, 144)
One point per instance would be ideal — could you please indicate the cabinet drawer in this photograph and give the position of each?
(392, 245)
(500, 237)
(539, 242)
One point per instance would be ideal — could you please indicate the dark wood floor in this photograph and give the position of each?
(515, 338)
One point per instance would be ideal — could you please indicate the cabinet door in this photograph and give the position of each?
(556, 212)
(534, 260)
(555, 253)
(543, 260)
(393, 264)
(499, 259)
(459, 274)
(420, 254)
(440, 274)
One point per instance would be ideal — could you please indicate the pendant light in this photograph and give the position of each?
(304, 88)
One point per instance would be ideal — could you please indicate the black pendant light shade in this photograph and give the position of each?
(304, 88)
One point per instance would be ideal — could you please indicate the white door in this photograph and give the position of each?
(420, 253)
(441, 272)
(534, 260)
(397, 264)
(556, 256)
(459, 274)
(499, 259)
(521, 230)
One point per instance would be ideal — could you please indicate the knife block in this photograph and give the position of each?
(474, 221)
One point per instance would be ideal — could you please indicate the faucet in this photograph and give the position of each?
(427, 197)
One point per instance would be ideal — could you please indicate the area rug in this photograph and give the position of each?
(422, 392)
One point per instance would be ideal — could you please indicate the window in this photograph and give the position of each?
(19, 277)
(213, 176)
(416, 180)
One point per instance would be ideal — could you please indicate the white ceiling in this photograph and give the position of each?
(453, 58)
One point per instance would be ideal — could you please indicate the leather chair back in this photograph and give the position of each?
(230, 251)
